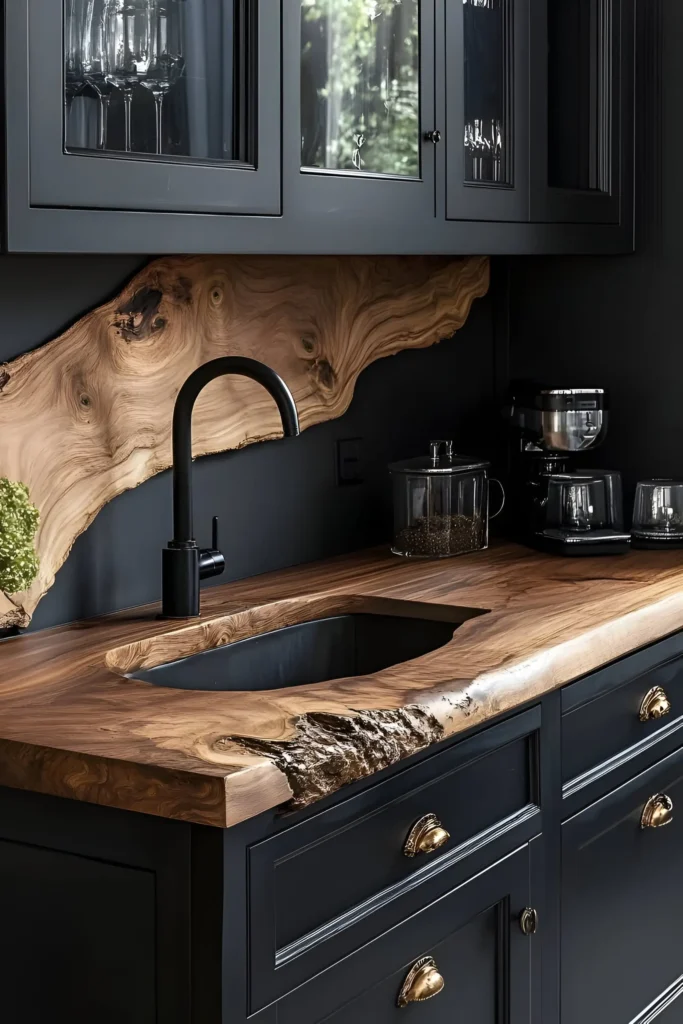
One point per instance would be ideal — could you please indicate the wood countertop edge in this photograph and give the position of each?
(71, 726)
(217, 800)
(502, 690)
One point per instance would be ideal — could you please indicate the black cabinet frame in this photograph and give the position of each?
(612, 203)
(132, 182)
(357, 199)
(479, 201)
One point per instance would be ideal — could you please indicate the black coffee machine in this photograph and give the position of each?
(558, 507)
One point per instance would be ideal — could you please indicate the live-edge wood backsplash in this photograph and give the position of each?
(88, 415)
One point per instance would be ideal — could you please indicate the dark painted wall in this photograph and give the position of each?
(615, 322)
(279, 502)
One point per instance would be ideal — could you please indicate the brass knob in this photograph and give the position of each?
(655, 704)
(658, 811)
(528, 921)
(426, 836)
(423, 981)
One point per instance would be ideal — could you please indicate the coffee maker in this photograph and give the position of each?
(557, 507)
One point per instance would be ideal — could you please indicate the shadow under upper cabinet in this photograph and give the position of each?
(309, 652)
(360, 86)
(164, 78)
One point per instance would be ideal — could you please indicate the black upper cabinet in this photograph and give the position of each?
(359, 100)
(582, 111)
(137, 105)
(491, 126)
(487, 110)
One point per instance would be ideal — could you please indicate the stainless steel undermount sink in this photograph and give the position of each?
(350, 644)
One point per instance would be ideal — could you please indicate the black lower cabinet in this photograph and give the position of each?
(468, 947)
(622, 903)
(540, 904)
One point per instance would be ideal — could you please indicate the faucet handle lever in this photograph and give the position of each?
(211, 560)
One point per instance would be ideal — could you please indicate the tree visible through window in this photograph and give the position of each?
(360, 64)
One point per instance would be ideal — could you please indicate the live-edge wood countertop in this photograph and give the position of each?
(73, 724)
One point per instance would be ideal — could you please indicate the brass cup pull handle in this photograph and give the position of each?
(426, 836)
(658, 811)
(422, 982)
(655, 704)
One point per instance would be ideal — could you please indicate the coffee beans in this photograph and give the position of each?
(438, 536)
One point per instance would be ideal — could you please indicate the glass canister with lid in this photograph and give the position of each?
(441, 504)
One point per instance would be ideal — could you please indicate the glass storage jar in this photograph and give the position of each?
(441, 504)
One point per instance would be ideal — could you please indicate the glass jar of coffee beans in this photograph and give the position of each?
(441, 504)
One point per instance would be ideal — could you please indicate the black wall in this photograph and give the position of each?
(279, 502)
(615, 322)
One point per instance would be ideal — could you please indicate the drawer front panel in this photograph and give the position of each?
(321, 888)
(606, 717)
(622, 899)
(473, 938)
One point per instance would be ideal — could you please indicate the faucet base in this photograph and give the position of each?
(180, 582)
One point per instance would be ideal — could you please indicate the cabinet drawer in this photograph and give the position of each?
(622, 901)
(475, 943)
(325, 886)
(605, 722)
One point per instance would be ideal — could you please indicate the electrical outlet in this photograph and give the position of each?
(349, 467)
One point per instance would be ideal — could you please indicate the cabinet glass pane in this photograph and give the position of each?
(579, 94)
(161, 78)
(488, 107)
(360, 86)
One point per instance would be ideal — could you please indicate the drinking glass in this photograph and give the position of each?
(127, 31)
(658, 513)
(166, 63)
(74, 22)
(96, 63)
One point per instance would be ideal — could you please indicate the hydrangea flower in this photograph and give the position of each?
(18, 524)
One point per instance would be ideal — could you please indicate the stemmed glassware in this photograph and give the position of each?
(96, 63)
(74, 79)
(484, 149)
(166, 62)
(117, 45)
(126, 33)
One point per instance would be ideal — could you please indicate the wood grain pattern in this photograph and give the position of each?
(72, 723)
(88, 415)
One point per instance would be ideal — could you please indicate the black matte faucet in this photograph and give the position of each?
(183, 563)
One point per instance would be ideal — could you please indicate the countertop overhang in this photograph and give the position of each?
(73, 725)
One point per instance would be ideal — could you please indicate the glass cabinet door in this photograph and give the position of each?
(361, 81)
(156, 77)
(360, 86)
(486, 115)
(165, 104)
(582, 105)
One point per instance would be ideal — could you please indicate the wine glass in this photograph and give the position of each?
(96, 62)
(166, 63)
(127, 28)
(74, 81)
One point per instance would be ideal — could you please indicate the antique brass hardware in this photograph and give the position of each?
(658, 811)
(426, 836)
(528, 921)
(655, 704)
(423, 981)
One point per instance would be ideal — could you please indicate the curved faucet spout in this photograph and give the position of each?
(183, 564)
(182, 426)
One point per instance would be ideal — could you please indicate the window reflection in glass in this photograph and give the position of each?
(360, 86)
